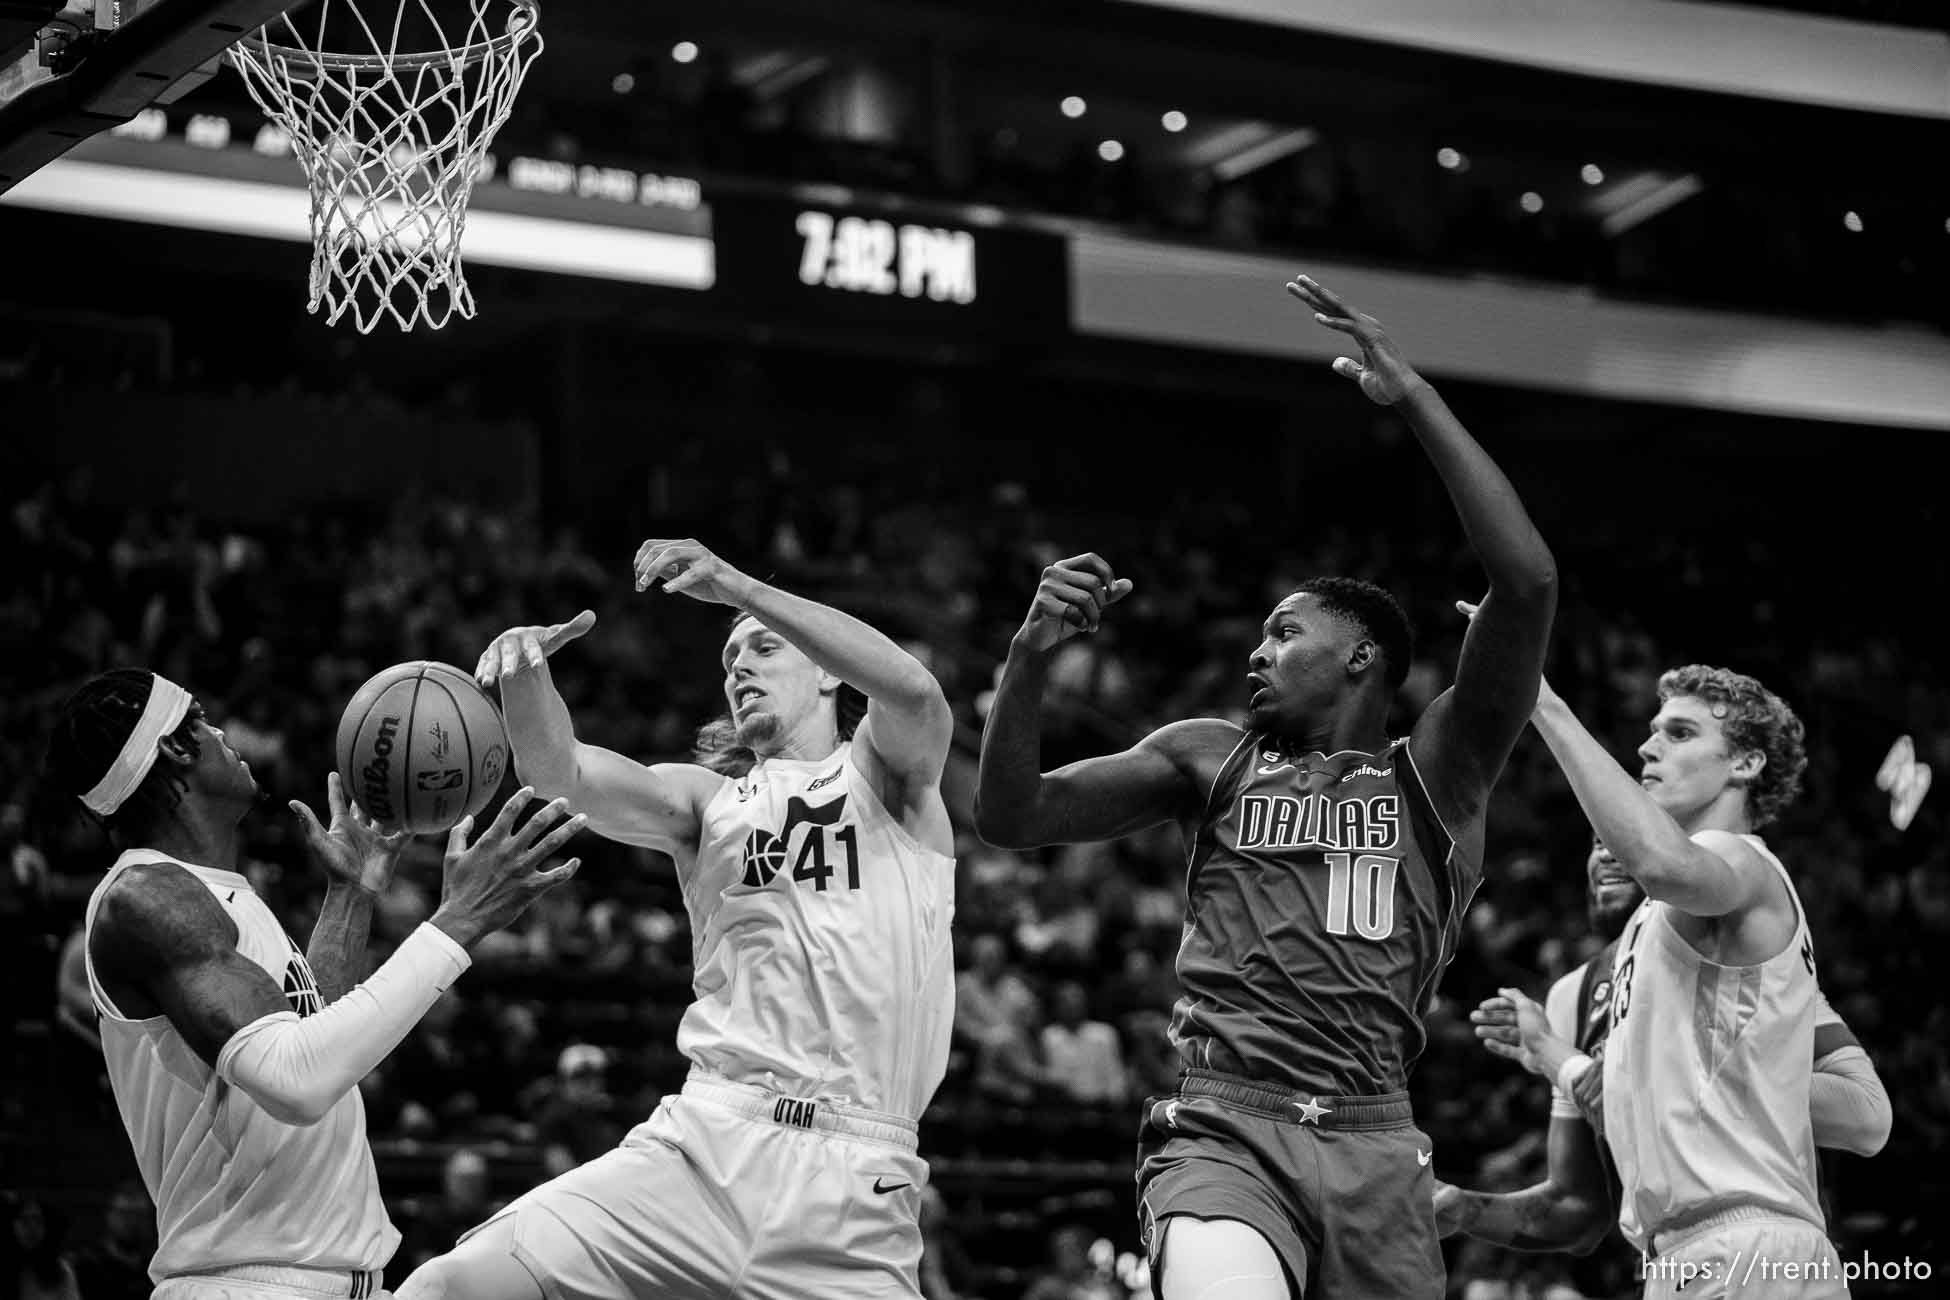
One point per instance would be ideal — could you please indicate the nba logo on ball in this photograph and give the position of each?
(421, 746)
(764, 856)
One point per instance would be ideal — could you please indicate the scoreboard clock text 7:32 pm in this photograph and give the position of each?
(881, 269)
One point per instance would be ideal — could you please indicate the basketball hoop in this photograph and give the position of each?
(392, 137)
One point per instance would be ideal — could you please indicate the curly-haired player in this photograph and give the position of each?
(1709, 1061)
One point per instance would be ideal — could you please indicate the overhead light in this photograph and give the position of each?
(1073, 106)
(622, 83)
(1451, 160)
(1852, 220)
(1174, 121)
(1639, 198)
(684, 51)
(1531, 202)
(1110, 151)
(1593, 174)
(1271, 145)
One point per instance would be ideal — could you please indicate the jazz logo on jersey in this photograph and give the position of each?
(766, 852)
(300, 989)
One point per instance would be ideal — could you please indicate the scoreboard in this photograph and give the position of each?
(930, 271)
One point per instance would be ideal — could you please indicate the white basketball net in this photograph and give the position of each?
(392, 141)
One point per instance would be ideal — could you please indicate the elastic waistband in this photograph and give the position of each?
(1672, 1236)
(757, 1103)
(349, 1283)
(1386, 1110)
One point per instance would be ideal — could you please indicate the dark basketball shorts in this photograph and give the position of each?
(1341, 1187)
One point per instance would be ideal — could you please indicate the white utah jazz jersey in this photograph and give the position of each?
(231, 1184)
(820, 941)
(1707, 1075)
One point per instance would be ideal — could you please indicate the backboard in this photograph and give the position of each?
(67, 73)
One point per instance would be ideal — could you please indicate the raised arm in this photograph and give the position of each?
(1465, 736)
(657, 806)
(1710, 874)
(358, 861)
(908, 726)
(1017, 804)
(163, 945)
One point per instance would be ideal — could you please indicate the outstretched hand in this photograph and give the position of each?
(1383, 373)
(690, 568)
(522, 649)
(353, 850)
(1512, 1025)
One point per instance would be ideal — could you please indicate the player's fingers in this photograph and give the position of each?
(504, 821)
(1083, 603)
(548, 815)
(510, 654)
(1089, 562)
(1118, 590)
(1466, 609)
(563, 633)
(1349, 368)
(691, 577)
(1327, 296)
(457, 837)
(1306, 295)
(335, 795)
(488, 667)
(1504, 1050)
(307, 822)
(551, 844)
(546, 880)
(657, 564)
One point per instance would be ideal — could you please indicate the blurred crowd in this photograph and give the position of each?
(562, 1036)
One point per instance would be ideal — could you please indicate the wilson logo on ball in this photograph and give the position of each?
(421, 746)
(379, 800)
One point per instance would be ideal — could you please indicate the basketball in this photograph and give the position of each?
(421, 746)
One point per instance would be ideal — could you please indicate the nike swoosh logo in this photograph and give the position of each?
(1422, 1157)
(878, 1190)
(1275, 771)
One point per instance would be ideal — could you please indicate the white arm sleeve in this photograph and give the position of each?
(1848, 1104)
(298, 1069)
(1561, 1013)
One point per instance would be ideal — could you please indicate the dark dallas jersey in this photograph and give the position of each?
(1325, 898)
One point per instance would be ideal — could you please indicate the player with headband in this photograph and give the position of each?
(235, 1057)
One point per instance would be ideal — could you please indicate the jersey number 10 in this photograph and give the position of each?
(1361, 890)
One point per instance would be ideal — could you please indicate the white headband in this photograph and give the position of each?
(168, 705)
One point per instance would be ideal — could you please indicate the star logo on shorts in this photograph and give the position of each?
(1311, 1111)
